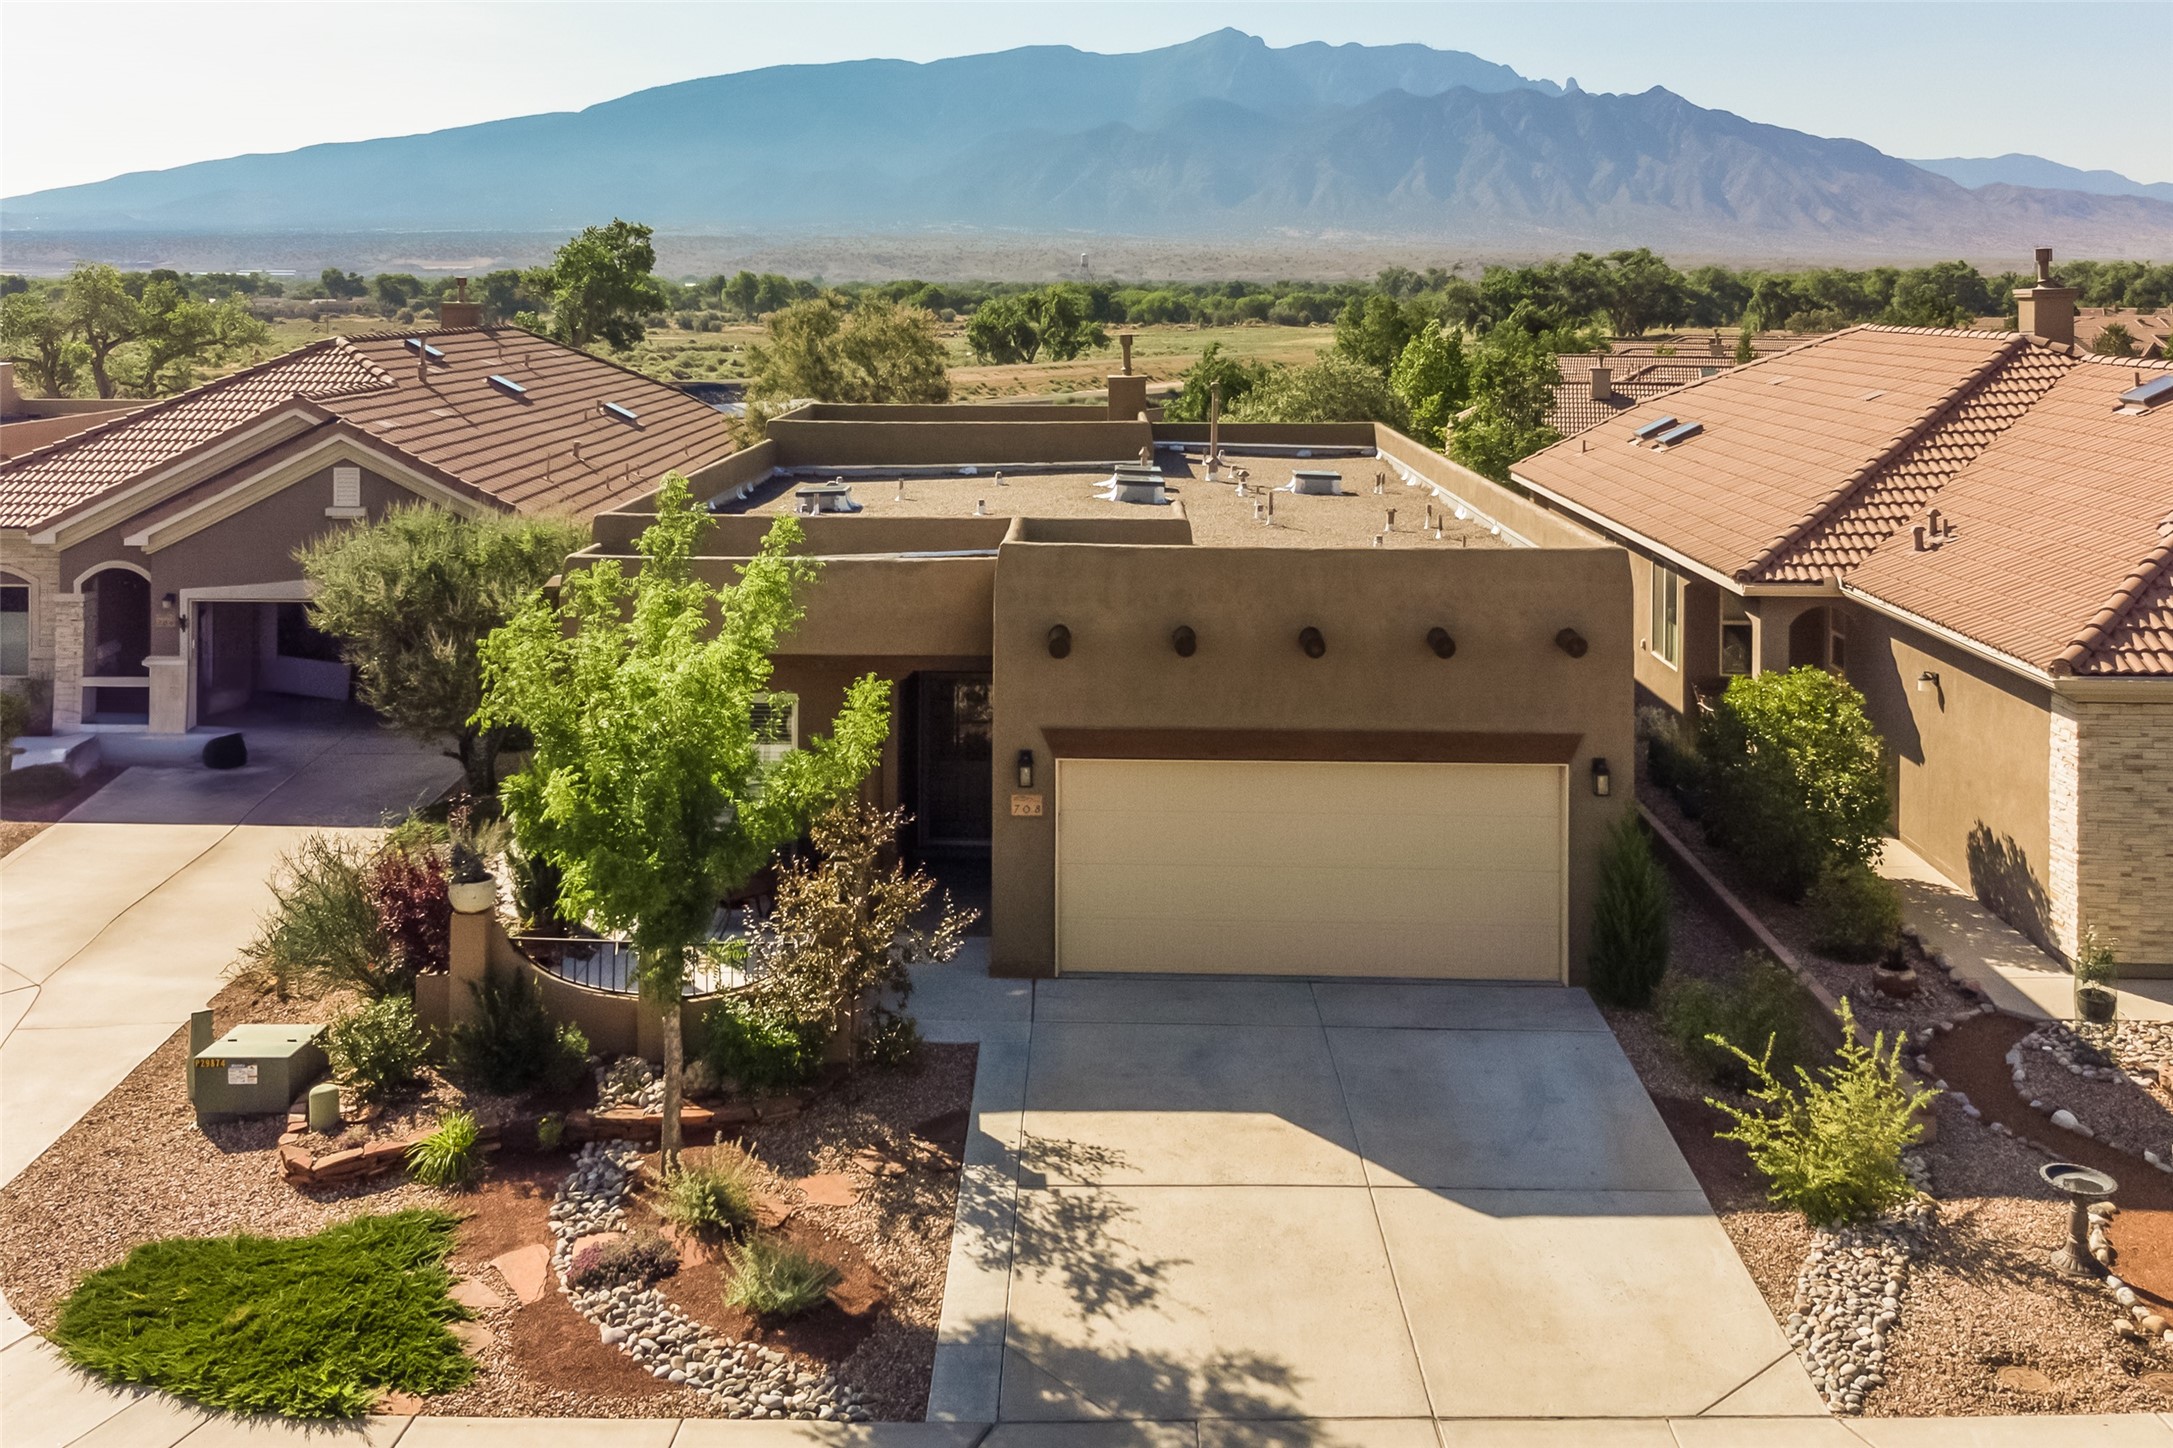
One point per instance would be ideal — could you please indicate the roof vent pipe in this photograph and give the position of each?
(1916, 538)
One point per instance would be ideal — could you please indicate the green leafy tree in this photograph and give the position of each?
(1795, 776)
(1642, 291)
(1194, 401)
(1002, 332)
(1335, 388)
(1063, 317)
(411, 597)
(1376, 330)
(1433, 377)
(345, 285)
(394, 290)
(1744, 350)
(176, 334)
(602, 285)
(1629, 919)
(875, 352)
(36, 334)
(100, 310)
(2113, 340)
(1773, 300)
(1513, 376)
(644, 786)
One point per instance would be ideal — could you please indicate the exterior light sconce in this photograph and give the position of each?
(1571, 642)
(167, 602)
(1309, 639)
(1026, 769)
(1182, 639)
(1603, 783)
(1059, 641)
(1437, 639)
(1927, 682)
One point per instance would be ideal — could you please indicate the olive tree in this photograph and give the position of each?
(644, 787)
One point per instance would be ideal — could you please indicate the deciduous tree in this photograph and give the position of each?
(97, 305)
(411, 598)
(36, 334)
(1513, 377)
(602, 284)
(876, 352)
(1433, 377)
(643, 785)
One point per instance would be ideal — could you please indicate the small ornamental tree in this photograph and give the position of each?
(1795, 777)
(1630, 919)
(643, 786)
(845, 925)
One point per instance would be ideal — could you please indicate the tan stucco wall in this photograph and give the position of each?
(1968, 763)
(1511, 508)
(907, 444)
(1246, 606)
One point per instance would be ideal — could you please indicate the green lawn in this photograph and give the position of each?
(311, 1327)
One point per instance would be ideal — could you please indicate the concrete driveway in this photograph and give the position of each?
(1199, 1200)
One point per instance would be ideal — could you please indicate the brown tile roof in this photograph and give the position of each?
(1636, 381)
(2061, 554)
(551, 447)
(41, 484)
(1787, 439)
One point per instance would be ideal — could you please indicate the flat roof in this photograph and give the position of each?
(1218, 515)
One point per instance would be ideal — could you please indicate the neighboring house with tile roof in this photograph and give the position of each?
(1975, 527)
(147, 561)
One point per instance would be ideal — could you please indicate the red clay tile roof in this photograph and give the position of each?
(1786, 439)
(2061, 554)
(551, 447)
(1636, 380)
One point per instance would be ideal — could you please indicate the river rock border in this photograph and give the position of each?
(1848, 1300)
(745, 1378)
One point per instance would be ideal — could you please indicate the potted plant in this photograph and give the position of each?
(2097, 980)
(1895, 976)
(471, 843)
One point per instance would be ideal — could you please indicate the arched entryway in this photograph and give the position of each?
(116, 641)
(1819, 637)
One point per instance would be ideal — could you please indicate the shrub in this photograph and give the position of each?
(321, 930)
(377, 1047)
(550, 1131)
(14, 722)
(894, 1039)
(1630, 919)
(1831, 1146)
(513, 1044)
(1795, 777)
(758, 1048)
(309, 1327)
(775, 1279)
(1855, 912)
(712, 1194)
(1672, 761)
(636, 1257)
(451, 1156)
(1762, 1008)
(536, 886)
(407, 890)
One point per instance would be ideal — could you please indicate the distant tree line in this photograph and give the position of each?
(135, 334)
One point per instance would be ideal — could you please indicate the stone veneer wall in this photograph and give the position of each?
(2123, 827)
(40, 568)
(2063, 788)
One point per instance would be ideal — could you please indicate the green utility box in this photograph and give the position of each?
(255, 1070)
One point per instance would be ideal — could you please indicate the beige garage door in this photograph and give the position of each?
(1270, 868)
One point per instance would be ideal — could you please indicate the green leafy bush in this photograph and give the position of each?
(1830, 1146)
(894, 1038)
(550, 1131)
(760, 1048)
(1795, 778)
(639, 1257)
(309, 1327)
(1855, 912)
(322, 929)
(776, 1279)
(1629, 919)
(712, 1194)
(1762, 1008)
(376, 1048)
(451, 1156)
(513, 1044)
(1672, 761)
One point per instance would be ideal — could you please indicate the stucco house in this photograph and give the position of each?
(1976, 528)
(147, 561)
(1339, 708)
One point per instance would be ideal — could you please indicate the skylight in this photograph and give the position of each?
(417, 344)
(1653, 429)
(508, 384)
(623, 414)
(2149, 394)
(1675, 435)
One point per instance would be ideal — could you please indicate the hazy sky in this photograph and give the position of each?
(89, 89)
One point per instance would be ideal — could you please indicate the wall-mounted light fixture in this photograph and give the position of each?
(1182, 639)
(1927, 682)
(1059, 641)
(1437, 639)
(1571, 642)
(167, 602)
(1309, 639)
(1603, 783)
(1026, 769)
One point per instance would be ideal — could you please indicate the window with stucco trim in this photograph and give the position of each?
(775, 719)
(1667, 615)
(14, 627)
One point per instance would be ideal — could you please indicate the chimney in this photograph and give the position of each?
(2046, 310)
(460, 312)
(1603, 385)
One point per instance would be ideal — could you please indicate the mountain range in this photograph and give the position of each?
(1223, 137)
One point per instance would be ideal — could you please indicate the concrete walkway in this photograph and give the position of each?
(2012, 971)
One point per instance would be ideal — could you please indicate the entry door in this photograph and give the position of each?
(1308, 868)
(955, 792)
